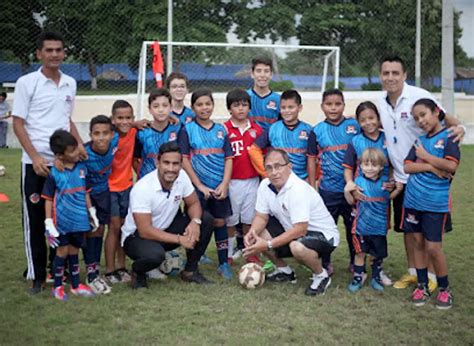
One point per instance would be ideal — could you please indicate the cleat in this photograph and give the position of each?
(279, 276)
(355, 286)
(99, 286)
(386, 281)
(405, 281)
(37, 287)
(138, 281)
(420, 296)
(124, 275)
(319, 289)
(237, 254)
(377, 285)
(195, 277)
(205, 260)
(112, 278)
(269, 266)
(58, 293)
(444, 300)
(82, 291)
(225, 271)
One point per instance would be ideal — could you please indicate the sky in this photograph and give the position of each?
(466, 22)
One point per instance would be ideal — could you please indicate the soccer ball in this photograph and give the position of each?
(3, 170)
(173, 264)
(251, 276)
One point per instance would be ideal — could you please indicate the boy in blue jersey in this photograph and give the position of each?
(371, 220)
(68, 213)
(327, 146)
(161, 130)
(265, 104)
(431, 163)
(289, 134)
(100, 150)
(207, 159)
(177, 83)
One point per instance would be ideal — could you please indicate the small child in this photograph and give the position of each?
(431, 163)
(177, 83)
(5, 113)
(244, 182)
(265, 104)
(68, 209)
(149, 140)
(207, 159)
(327, 144)
(371, 221)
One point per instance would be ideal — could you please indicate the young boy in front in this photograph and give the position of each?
(265, 104)
(327, 145)
(243, 185)
(177, 83)
(68, 210)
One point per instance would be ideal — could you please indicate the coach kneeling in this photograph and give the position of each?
(155, 223)
(301, 225)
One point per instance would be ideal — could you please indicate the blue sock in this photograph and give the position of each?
(358, 272)
(443, 282)
(422, 275)
(221, 237)
(97, 252)
(74, 269)
(58, 269)
(377, 268)
(89, 258)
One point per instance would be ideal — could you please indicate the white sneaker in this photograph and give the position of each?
(237, 254)
(386, 281)
(156, 274)
(99, 286)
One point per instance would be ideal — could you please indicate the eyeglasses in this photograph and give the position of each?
(277, 167)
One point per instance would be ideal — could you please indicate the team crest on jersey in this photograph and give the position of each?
(303, 135)
(351, 129)
(404, 116)
(232, 135)
(220, 134)
(271, 105)
(188, 119)
(439, 144)
(68, 98)
(177, 198)
(34, 198)
(172, 136)
(82, 174)
(253, 134)
(412, 219)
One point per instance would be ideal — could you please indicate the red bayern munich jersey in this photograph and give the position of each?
(242, 167)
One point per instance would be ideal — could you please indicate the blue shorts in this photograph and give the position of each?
(219, 208)
(374, 245)
(119, 203)
(101, 202)
(432, 225)
(76, 239)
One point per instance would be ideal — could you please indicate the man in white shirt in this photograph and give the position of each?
(297, 224)
(155, 223)
(43, 103)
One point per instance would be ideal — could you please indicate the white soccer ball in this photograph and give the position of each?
(3, 170)
(251, 276)
(173, 264)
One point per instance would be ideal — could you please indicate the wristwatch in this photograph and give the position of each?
(269, 245)
(197, 220)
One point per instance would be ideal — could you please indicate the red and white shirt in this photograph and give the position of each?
(241, 140)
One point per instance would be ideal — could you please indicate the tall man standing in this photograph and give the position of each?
(43, 103)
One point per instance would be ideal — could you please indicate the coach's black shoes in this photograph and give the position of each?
(279, 276)
(195, 277)
(319, 285)
(138, 281)
(37, 287)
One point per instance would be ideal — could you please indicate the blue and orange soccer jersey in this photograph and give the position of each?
(358, 144)
(264, 110)
(67, 190)
(99, 166)
(372, 214)
(121, 177)
(292, 140)
(329, 142)
(186, 115)
(426, 191)
(147, 143)
(208, 150)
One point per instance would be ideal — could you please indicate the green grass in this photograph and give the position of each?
(175, 312)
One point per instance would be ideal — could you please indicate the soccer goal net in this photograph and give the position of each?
(223, 66)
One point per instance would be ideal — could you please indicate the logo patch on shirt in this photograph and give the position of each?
(82, 174)
(68, 98)
(220, 134)
(303, 135)
(439, 144)
(172, 136)
(253, 134)
(404, 116)
(177, 198)
(232, 135)
(34, 198)
(271, 105)
(411, 219)
(351, 129)
(188, 119)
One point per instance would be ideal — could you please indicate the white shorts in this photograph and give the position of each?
(243, 196)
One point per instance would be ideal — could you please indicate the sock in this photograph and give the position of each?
(422, 275)
(323, 274)
(376, 268)
(240, 241)
(443, 282)
(89, 258)
(326, 261)
(358, 272)
(432, 276)
(412, 271)
(220, 235)
(97, 252)
(231, 246)
(58, 269)
(74, 269)
(285, 269)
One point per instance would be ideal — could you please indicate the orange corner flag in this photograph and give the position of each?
(158, 66)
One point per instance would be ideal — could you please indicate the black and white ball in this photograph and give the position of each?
(251, 276)
(173, 264)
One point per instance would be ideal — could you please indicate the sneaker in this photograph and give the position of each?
(156, 274)
(195, 277)
(420, 296)
(254, 259)
(432, 285)
(279, 276)
(124, 275)
(355, 285)
(138, 281)
(99, 286)
(444, 300)
(205, 260)
(225, 271)
(82, 291)
(377, 284)
(405, 281)
(237, 254)
(320, 288)
(112, 278)
(269, 266)
(58, 293)
(384, 279)
(37, 287)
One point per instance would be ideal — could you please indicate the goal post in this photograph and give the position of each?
(223, 66)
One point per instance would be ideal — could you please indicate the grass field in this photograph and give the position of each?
(174, 312)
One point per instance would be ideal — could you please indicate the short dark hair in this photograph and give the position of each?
(120, 104)
(3, 94)
(48, 36)
(155, 93)
(237, 95)
(262, 60)
(283, 154)
(291, 95)
(200, 93)
(176, 75)
(168, 147)
(393, 58)
(432, 106)
(100, 119)
(367, 105)
(60, 140)
(334, 91)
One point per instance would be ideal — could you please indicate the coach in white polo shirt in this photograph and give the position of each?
(43, 102)
(401, 132)
(300, 225)
(155, 223)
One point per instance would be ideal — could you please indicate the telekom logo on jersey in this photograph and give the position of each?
(237, 147)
